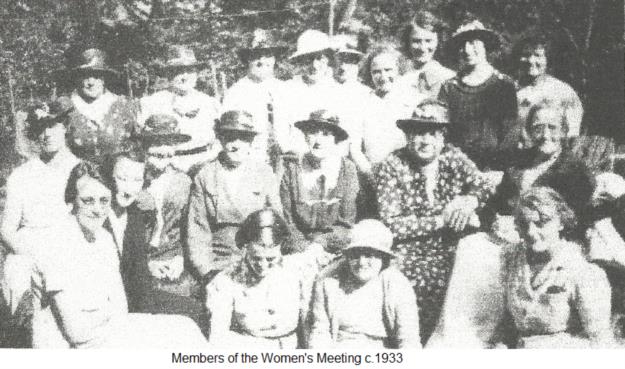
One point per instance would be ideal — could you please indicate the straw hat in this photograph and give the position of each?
(371, 234)
(323, 119)
(311, 42)
(162, 129)
(347, 45)
(236, 121)
(430, 114)
(261, 42)
(474, 30)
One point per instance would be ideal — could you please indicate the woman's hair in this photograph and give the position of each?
(377, 50)
(548, 204)
(261, 223)
(547, 105)
(354, 252)
(423, 19)
(83, 169)
(109, 162)
(531, 42)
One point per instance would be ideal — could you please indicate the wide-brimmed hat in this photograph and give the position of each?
(430, 114)
(261, 42)
(323, 119)
(162, 129)
(371, 234)
(312, 42)
(474, 30)
(89, 61)
(46, 114)
(179, 57)
(347, 45)
(236, 121)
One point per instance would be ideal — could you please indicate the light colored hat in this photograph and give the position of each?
(346, 44)
(371, 234)
(236, 121)
(180, 57)
(474, 30)
(259, 42)
(430, 114)
(312, 42)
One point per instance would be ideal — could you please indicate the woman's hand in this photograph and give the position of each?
(609, 187)
(459, 211)
(168, 270)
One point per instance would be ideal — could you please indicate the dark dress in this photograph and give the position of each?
(483, 117)
(320, 216)
(426, 255)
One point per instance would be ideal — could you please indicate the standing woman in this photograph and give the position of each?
(419, 41)
(319, 191)
(101, 122)
(482, 101)
(428, 194)
(361, 301)
(79, 294)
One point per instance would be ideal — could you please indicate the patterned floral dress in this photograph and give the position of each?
(426, 255)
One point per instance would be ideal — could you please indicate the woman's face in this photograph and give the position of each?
(262, 260)
(545, 132)
(539, 232)
(237, 148)
(52, 139)
(316, 66)
(91, 87)
(184, 81)
(425, 147)
(128, 178)
(472, 53)
(423, 44)
(92, 204)
(261, 67)
(533, 62)
(364, 264)
(321, 143)
(384, 72)
(347, 70)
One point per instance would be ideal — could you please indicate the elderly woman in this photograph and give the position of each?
(261, 301)
(101, 122)
(361, 301)
(428, 193)
(34, 194)
(419, 41)
(194, 110)
(555, 297)
(536, 85)
(319, 191)
(224, 192)
(482, 101)
(79, 295)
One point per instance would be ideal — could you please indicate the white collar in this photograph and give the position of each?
(96, 110)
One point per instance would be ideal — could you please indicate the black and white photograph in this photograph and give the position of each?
(365, 178)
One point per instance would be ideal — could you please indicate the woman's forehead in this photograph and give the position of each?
(263, 251)
(90, 186)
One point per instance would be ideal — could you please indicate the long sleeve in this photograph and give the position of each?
(199, 235)
(174, 213)
(593, 302)
(405, 334)
(219, 305)
(404, 224)
(320, 335)
(475, 184)
(288, 200)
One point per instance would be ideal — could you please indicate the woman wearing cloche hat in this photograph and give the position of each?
(362, 300)
(482, 101)
(427, 195)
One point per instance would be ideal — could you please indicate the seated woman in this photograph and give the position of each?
(79, 295)
(428, 193)
(319, 192)
(554, 296)
(261, 301)
(361, 301)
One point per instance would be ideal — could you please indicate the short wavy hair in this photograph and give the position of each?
(423, 19)
(110, 160)
(377, 50)
(251, 230)
(83, 169)
(548, 203)
(548, 105)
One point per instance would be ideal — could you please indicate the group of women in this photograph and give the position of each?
(318, 212)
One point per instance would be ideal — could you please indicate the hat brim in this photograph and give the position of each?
(109, 75)
(241, 132)
(412, 125)
(307, 125)
(349, 52)
(299, 54)
(246, 53)
(367, 247)
(491, 39)
(164, 139)
(180, 67)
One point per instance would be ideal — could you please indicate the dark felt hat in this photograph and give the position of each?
(42, 115)
(323, 119)
(261, 42)
(430, 114)
(162, 129)
(88, 62)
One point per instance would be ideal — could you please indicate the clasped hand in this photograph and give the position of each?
(460, 212)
